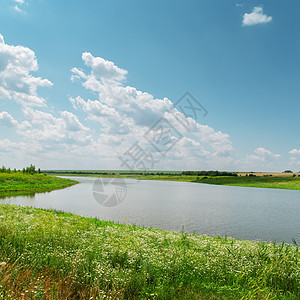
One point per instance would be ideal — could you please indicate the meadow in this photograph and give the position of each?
(53, 255)
(19, 182)
(282, 182)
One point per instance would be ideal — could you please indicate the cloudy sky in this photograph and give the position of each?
(102, 84)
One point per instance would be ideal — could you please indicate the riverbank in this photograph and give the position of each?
(263, 180)
(291, 183)
(19, 182)
(53, 255)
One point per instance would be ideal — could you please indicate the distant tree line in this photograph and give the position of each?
(209, 173)
(82, 172)
(144, 173)
(79, 172)
(28, 170)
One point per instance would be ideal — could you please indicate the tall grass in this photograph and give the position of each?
(17, 181)
(54, 255)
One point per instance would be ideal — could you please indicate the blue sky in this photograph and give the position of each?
(81, 83)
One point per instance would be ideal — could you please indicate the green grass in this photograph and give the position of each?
(292, 183)
(54, 255)
(19, 182)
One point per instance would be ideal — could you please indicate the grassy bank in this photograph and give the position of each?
(292, 183)
(53, 255)
(19, 182)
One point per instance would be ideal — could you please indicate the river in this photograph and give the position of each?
(239, 212)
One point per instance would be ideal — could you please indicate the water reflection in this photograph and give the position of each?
(12, 195)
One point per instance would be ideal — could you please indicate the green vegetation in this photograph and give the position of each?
(28, 170)
(113, 172)
(52, 255)
(140, 173)
(292, 183)
(209, 173)
(19, 182)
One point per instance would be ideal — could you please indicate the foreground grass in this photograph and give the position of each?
(54, 255)
(19, 182)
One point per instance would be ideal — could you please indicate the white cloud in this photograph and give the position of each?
(71, 122)
(294, 161)
(262, 155)
(7, 146)
(117, 117)
(49, 129)
(16, 81)
(38, 117)
(7, 120)
(261, 160)
(17, 8)
(42, 136)
(103, 69)
(24, 125)
(125, 114)
(295, 152)
(256, 17)
(266, 153)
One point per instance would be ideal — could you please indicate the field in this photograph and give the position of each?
(19, 182)
(53, 255)
(282, 182)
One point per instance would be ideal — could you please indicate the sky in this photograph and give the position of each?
(162, 85)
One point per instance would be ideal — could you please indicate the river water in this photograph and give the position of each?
(239, 212)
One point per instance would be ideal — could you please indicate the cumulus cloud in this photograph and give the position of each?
(117, 116)
(42, 135)
(125, 113)
(7, 146)
(266, 153)
(256, 17)
(262, 154)
(71, 122)
(262, 159)
(102, 69)
(16, 81)
(7, 120)
(295, 152)
(58, 130)
(294, 161)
